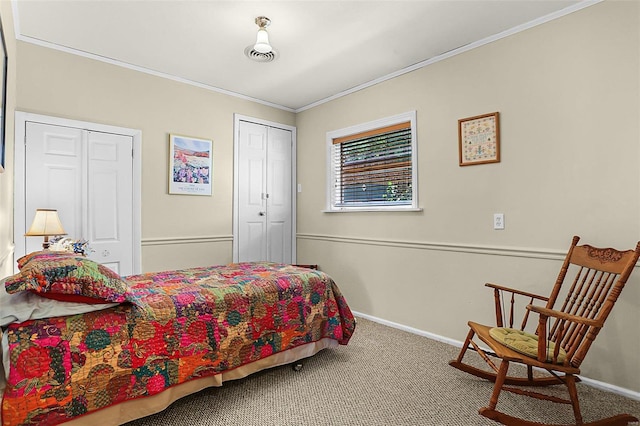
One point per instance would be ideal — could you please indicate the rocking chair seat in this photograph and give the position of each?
(525, 343)
(507, 353)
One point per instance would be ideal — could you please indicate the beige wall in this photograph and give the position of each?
(568, 96)
(177, 230)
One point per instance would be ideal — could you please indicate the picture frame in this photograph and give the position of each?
(479, 139)
(190, 165)
(3, 98)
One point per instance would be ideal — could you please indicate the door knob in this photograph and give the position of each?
(262, 213)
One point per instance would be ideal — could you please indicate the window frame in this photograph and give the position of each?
(410, 117)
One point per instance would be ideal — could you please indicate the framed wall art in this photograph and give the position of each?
(479, 139)
(190, 165)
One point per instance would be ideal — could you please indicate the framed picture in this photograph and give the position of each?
(479, 139)
(190, 165)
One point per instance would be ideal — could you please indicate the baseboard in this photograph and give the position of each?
(409, 329)
(458, 343)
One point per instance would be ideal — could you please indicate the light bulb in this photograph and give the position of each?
(262, 42)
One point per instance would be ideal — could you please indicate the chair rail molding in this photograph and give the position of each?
(439, 246)
(163, 241)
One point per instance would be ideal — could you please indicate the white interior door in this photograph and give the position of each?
(87, 176)
(264, 213)
(252, 193)
(279, 200)
(53, 178)
(109, 222)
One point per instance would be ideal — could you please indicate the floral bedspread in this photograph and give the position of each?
(179, 325)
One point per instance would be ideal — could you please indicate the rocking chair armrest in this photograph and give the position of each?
(558, 335)
(563, 315)
(516, 291)
(508, 308)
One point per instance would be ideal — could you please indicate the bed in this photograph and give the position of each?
(128, 347)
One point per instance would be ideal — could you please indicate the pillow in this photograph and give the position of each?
(524, 343)
(25, 305)
(75, 298)
(43, 254)
(67, 276)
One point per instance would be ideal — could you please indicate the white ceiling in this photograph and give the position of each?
(325, 48)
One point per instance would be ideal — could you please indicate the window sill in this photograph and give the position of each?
(374, 209)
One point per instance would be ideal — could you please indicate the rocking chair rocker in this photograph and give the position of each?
(563, 335)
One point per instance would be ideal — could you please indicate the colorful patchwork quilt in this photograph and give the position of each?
(174, 327)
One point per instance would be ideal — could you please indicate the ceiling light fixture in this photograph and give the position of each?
(262, 40)
(261, 51)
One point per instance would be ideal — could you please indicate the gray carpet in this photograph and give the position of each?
(384, 376)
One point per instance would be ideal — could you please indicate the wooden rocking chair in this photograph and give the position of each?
(563, 337)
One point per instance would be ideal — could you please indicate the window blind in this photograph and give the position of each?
(373, 167)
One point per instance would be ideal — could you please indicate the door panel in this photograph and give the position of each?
(256, 178)
(278, 247)
(255, 242)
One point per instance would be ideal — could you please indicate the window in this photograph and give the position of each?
(372, 166)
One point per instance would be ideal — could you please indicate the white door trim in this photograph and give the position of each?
(236, 136)
(19, 214)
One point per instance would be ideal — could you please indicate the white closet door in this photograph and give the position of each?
(279, 188)
(264, 191)
(87, 176)
(109, 220)
(252, 193)
(53, 178)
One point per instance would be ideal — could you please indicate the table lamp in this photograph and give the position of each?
(46, 223)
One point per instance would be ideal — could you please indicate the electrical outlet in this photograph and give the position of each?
(498, 221)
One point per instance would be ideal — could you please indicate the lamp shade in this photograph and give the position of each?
(46, 223)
